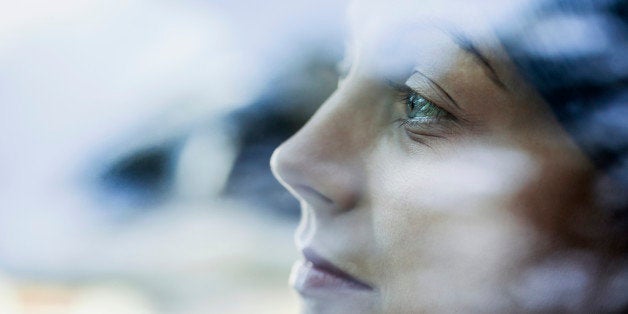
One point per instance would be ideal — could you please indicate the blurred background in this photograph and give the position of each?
(135, 137)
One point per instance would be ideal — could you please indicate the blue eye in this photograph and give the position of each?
(420, 108)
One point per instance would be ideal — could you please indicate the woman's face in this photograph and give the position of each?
(432, 179)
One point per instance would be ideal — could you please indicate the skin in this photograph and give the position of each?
(459, 215)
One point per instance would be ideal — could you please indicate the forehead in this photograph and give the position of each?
(375, 19)
(474, 14)
(408, 33)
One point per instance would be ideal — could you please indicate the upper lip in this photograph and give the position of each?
(319, 262)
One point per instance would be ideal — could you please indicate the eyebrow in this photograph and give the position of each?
(465, 43)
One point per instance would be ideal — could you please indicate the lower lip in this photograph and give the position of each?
(306, 278)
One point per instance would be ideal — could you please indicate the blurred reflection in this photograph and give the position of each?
(135, 144)
(276, 115)
(135, 137)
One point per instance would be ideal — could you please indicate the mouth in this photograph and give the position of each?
(315, 273)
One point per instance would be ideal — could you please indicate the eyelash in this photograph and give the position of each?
(421, 130)
(405, 95)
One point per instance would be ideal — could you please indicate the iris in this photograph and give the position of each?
(418, 107)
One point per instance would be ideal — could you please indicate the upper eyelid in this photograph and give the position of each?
(407, 89)
(404, 88)
(436, 87)
(444, 101)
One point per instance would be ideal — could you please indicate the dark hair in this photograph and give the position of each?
(574, 53)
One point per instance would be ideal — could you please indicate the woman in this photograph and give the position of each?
(437, 179)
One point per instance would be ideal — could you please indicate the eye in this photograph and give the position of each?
(420, 109)
(421, 118)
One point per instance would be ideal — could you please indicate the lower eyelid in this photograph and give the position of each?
(434, 129)
(424, 138)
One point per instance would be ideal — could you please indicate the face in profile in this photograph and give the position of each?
(435, 180)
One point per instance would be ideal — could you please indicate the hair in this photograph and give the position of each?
(573, 53)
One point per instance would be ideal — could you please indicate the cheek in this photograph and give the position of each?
(412, 193)
(443, 222)
(558, 202)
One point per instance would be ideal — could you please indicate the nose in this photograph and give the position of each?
(322, 163)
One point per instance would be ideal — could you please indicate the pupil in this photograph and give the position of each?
(416, 102)
(411, 104)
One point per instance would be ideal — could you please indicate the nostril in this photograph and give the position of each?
(329, 185)
(291, 173)
(310, 193)
(318, 173)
